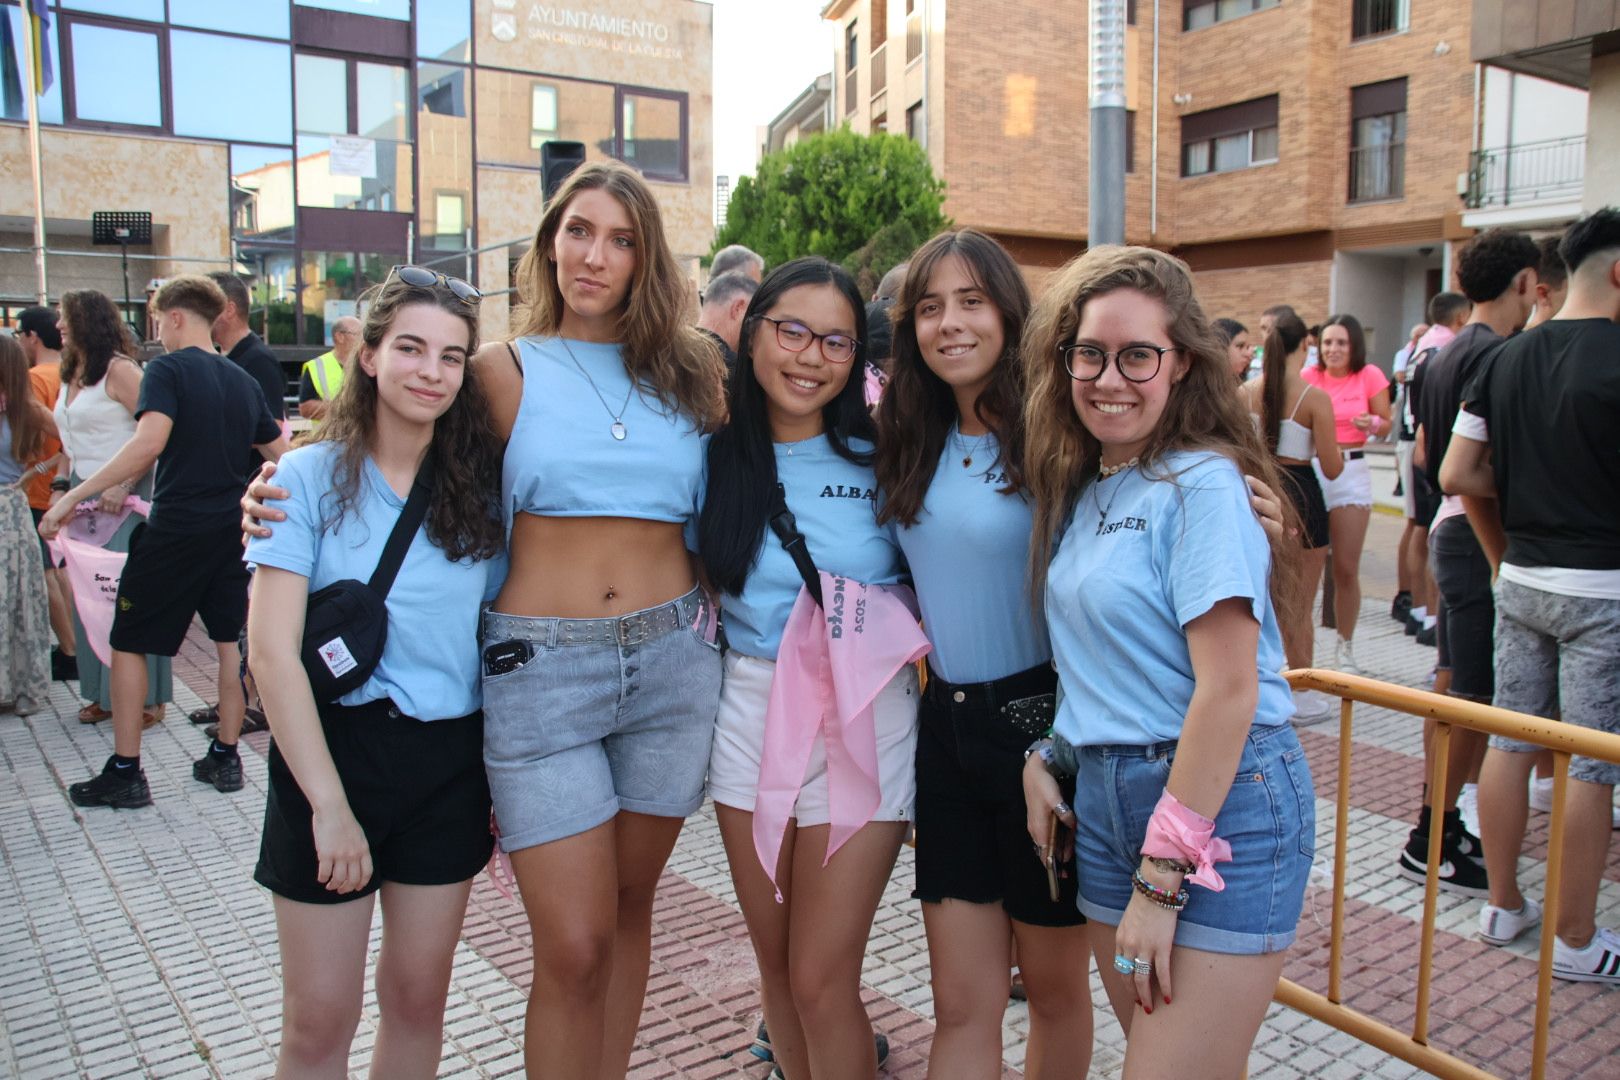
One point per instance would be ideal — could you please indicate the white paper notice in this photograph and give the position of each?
(354, 156)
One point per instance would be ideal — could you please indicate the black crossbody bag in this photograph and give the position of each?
(787, 531)
(346, 623)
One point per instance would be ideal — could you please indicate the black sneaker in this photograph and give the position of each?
(1466, 843)
(1429, 635)
(1459, 874)
(1413, 625)
(64, 668)
(1402, 605)
(252, 720)
(111, 787)
(222, 770)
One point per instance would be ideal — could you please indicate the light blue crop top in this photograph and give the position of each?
(969, 551)
(833, 504)
(563, 459)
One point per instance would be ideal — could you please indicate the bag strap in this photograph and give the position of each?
(787, 531)
(399, 540)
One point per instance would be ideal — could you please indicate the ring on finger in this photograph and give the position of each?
(1062, 809)
(1142, 966)
(1124, 966)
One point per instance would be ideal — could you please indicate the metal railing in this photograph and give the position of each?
(1447, 712)
(1378, 172)
(880, 68)
(1553, 170)
(914, 35)
(850, 87)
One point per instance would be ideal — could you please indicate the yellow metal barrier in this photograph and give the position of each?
(1562, 739)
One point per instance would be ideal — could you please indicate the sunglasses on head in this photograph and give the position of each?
(422, 278)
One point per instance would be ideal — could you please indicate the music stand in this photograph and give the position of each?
(122, 227)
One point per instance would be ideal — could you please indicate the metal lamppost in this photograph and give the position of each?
(1106, 201)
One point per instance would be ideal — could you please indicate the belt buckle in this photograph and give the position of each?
(630, 630)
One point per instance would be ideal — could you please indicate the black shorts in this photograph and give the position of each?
(416, 787)
(1305, 492)
(972, 838)
(44, 549)
(1425, 499)
(1467, 608)
(173, 574)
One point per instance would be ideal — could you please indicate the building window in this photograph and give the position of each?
(322, 94)
(399, 10)
(145, 10)
(444, 30)
(652, 133)
(1130, 12)
(543, 110)
(234, 16)
(352, 160)
(257, 109)
(448, 229)
(117, 75)
(1378, 141)
(444, 139)
(50, 103)
(262, 192)
(852, 59)
(1130, 140)
(914, 125)
(1228, 138)
(1374, 18)
(1202, 13)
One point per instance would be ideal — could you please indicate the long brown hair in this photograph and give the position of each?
(17, 402)
(917, 410)
(1203, 411)
(463, 516)
(657, 327)
(98, 334)
(1287, 332)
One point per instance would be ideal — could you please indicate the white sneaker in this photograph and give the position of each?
(1312, 707)
(1344, 657)
(1541, 792)
(1468, 807)
(1598, 962)
(1499, 926)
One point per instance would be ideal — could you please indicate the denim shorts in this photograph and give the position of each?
(581, 728)
(1269, 818)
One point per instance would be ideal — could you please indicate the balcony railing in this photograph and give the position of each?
(913, 36)
(850, 87)
(880, 68)
(1378, 172)
(1549, 171)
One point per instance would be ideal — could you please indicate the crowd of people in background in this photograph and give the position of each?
(1016, 577)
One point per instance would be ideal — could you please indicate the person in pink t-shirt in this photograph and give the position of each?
(1360, 395)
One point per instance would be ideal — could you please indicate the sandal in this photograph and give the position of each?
(151, 717)
(93, 713)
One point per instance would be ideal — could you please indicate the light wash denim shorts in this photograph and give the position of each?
(1269, 818)
(588, 717)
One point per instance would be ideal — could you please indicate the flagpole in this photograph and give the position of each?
(34, 155)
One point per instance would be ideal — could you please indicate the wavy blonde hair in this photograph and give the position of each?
(1203, 410)
(657, 326)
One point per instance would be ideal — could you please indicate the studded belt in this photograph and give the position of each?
(624, 631)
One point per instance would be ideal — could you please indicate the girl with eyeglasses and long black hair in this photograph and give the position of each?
(383, 790)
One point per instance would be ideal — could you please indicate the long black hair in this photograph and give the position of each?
(742, 454)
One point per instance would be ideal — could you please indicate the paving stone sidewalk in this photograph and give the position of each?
(135, 943)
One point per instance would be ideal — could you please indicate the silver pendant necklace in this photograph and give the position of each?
(618, 429)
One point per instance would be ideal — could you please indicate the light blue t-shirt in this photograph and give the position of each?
(429, 664)
(1119, 594)
(564, 459)
(834, 504)
(969, 554)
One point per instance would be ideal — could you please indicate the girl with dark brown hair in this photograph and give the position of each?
(950, 437)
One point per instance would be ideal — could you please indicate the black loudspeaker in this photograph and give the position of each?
(558, 160)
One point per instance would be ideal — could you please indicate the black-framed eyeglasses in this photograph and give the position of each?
(1137, 363)
(422, 278)
(796, 337)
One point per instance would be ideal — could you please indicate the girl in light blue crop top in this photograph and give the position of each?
(382, 791)
(798, 419)
(950, 437)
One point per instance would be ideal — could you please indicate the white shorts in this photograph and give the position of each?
(739, 738)
(1352, 487)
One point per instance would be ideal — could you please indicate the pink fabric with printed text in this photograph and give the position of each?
(92, 571)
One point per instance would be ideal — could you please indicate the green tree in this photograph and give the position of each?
(854, 199)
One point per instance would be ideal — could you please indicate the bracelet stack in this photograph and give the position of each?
(1170, 901)
(1178, 866)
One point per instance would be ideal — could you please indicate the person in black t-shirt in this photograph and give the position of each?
(245, 348)
(199, 418)
(1539, 437)
(1497, 271)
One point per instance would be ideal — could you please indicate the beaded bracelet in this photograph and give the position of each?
(1178, 866)
(1171, 901)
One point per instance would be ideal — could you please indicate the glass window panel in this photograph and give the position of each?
(382, 9)
(115, 75)
(323, 94)
(443, 90)
(444, 30)
(1200, 16)
(1197, 155)
(149, 10)
(1232, 152)
(544, 114)
(505, 105)
(259, 108)
(1231, 9)
(271, 274)
(50, 103)
(237, 16)
(333, 280)
(444, 140)
(380, 101)
(1265, 145)
(389, 188)
(262, 192)
(652, 135)
(447, 228)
